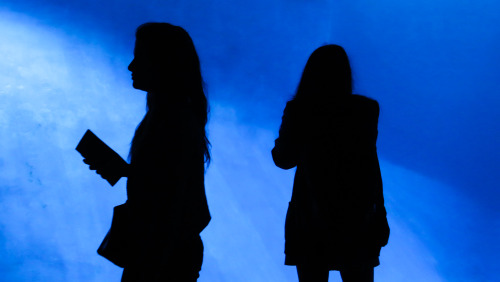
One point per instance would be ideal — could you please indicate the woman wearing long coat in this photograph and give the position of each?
(336, 218)
(166, 208)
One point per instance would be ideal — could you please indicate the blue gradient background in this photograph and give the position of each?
(432, 65)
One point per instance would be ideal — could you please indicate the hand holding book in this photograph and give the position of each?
(102, 158)
(108, 169)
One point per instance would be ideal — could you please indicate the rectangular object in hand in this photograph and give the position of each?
(94, 149)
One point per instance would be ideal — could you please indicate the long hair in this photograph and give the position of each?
(176, 73)
(326, 76)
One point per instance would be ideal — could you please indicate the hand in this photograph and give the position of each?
(107, 168)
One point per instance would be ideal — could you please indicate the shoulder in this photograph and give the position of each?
(176, 122)
(365, 103)
(364, 100)
(176, 115)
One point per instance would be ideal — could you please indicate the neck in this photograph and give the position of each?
(162, 99)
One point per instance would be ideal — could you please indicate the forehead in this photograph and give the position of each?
(139, 47)
(146, 47)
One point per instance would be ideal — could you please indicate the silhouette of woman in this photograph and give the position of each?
(336, 219)
(166, 201)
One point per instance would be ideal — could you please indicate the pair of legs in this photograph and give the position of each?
(315, 273)
(182, 265)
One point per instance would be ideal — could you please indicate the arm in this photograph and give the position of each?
(286, 146)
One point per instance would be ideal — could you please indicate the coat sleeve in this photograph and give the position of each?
(286, 147)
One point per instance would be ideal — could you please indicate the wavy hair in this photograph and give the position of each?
(326, 76)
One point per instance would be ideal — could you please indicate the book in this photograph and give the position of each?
(95, 150)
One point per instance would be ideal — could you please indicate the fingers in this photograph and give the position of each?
(105, 175)
(105, 169)
(93, 165)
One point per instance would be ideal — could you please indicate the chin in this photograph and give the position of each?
(138, 86)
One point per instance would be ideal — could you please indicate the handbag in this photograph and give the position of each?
(115, 245)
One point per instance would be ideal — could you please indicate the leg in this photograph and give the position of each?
(312, 273)
(159, 274)
(182, 265)
(357, 274)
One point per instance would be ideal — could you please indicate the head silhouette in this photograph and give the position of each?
(326, 76)
(165, 61)
(167, 66)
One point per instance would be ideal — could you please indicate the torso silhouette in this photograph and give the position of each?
(165, 188)
(337, 193)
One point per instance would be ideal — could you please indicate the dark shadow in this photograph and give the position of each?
(155, 234)
(336, 218)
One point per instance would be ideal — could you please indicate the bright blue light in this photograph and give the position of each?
(433, 68)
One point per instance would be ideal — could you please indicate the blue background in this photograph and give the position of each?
(432, 65)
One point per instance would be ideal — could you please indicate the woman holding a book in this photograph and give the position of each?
(166, 206)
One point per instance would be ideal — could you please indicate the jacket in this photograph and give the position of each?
(165, 188)
(336, 215)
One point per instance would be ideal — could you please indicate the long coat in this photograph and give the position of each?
(165, 188)
(336, 216)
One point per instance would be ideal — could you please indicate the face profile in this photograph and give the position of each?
(166, 64)
(142, 69)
